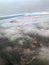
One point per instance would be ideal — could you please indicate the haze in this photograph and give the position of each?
(9, 7)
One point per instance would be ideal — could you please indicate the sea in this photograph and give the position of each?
(25, 17)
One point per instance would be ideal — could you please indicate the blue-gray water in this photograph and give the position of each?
(23, 17)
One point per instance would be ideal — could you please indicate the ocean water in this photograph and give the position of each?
(4, 19)
(25, 18)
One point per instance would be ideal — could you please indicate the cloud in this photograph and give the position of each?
(22, 26)
(44, 54)
(25, 45)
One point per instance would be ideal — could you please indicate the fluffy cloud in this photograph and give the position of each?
(21, 27)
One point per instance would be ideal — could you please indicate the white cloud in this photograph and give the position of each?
(21, 27)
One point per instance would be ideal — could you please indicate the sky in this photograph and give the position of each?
(8, 7)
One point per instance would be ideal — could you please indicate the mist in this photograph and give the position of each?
(10, 7)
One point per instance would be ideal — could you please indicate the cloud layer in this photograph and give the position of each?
(25, 40)
(23, 26)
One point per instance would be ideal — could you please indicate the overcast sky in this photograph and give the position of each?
(8, 7)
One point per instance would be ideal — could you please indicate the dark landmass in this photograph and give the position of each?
(22, 51)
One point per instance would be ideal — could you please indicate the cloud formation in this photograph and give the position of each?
(21, 27)
(25, 38)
